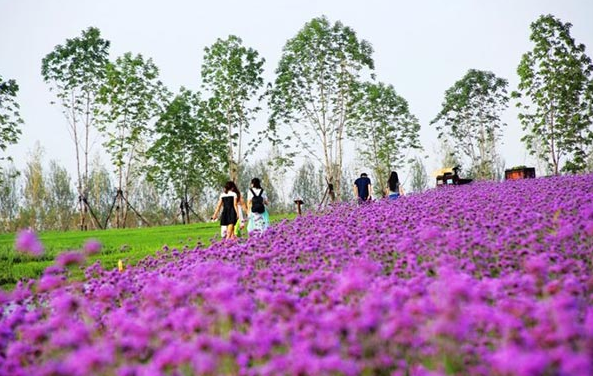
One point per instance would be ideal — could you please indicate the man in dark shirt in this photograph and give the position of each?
(363, 188)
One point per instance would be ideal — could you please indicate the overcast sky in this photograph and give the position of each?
(421, 48)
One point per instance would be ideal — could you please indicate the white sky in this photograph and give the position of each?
(421, 47)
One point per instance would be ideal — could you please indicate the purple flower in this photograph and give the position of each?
(4, 297)
(516, 361)
(65, 303)
(74, 336)
(91, 247)
(128, 370)
(49, 282)
(429, 233)
(54, 270)
(27, 242)
(589, 228)
(589, 322)
(89, 360)
(70, 258)
(577, 365)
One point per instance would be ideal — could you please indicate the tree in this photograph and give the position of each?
(34, 207)
(384, 129)
(131, 97)
(232, 74)
(188, 151)
(10, 118)
(450, 156)
(555, 97)
(158, 207)
(59, 198)
(419, 176)
(75, 71)
(100, 190)
(306, 184)
(9, 198)
(470, 120)
(348, 178)
(311, 99)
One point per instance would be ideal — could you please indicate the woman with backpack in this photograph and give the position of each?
(228, 218)
(257, 200)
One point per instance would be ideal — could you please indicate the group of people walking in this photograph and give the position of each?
(363, 189)
(236, 213)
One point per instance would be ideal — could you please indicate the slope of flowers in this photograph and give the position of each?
(485, 279)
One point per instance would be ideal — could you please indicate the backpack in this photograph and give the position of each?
(257, 202)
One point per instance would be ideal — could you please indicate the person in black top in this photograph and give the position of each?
(228, 218)
(363, 188)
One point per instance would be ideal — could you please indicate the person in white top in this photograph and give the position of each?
(257, 202)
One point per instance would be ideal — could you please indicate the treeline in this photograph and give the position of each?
(45, 198)
(171, 150)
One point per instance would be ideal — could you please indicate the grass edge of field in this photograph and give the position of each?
(114, 248)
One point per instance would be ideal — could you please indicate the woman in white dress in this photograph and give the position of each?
(228, 218)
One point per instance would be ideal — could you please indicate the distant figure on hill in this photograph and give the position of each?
(394, 188)
(228, 218)
(363, 188)
(257, 201)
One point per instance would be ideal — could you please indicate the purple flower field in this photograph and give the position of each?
(484, 279)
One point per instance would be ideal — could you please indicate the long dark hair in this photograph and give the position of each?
(229, 186)
(393, 182)
(256, 183)
(236, 190)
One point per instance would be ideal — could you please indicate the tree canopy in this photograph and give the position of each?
(75, 71)
(470, 120)
(10, 117)
(555, 97)
(131, 97)
(384, 129)
(188, 152)
(232, 74)
(311, 100)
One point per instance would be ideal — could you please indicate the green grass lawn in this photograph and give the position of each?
(129, 245)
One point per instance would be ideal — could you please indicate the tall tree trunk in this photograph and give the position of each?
(187, 204)
(80, 185)
(119, 201)
(233, 173)
(85, 175)
(555, 160)
(186, 211)
(119, 218)
(338, 170)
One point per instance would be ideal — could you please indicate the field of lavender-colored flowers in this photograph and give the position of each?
(485, 279)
